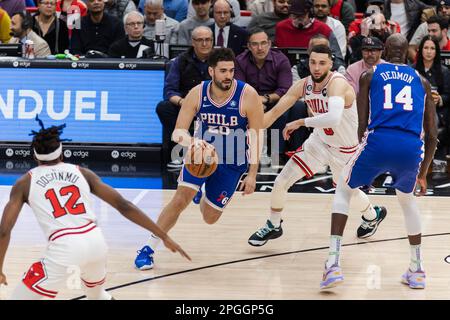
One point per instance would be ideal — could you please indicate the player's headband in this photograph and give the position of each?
(50, 156)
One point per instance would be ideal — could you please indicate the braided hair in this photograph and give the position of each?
(47, 140)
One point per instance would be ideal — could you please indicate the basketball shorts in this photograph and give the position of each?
(385, 150)
(68, 258)
(315, 155)
(219, 187)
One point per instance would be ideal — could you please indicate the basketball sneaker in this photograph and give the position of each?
(198, 196)
(265, 234)
(332, 276)
(369, 227)
(415, 280)
(144, 259)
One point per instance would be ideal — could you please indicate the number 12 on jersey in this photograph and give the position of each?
(403, 97)
(71, 206)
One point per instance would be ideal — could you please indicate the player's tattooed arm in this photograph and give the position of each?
(430, 137)
(17, 197)
(362, 102)
(187, 113)
(294, 93)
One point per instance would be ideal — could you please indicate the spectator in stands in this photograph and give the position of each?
(5, 26)
(374, 7)
(21, 32)
(297, 30)
(268, 20)
(154, 10)
(227, 34)
(133, 45)
(98, 30)
(374, 26)
(301, 69)
(430, 66)
(12, 6)
(371, 48)
(343, 11)
(443, 10)
(438, 28)
(322, 13)
(258, 7)
(176, 9)
(234, 4)
(49, 27)
(407, 13)
(268, 71)
(201, 18)
(119, 8)
(186, 71)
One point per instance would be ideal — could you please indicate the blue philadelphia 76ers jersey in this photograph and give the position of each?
(224, 125)
(397, 98)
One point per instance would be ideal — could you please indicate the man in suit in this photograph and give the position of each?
(227, 34)
(21, 31)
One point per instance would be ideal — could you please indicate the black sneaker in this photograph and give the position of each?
(264, 234)
(369, 227)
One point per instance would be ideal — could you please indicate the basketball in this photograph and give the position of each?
(201, 161)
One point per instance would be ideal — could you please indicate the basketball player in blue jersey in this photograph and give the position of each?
(395, 110)
(229, 116)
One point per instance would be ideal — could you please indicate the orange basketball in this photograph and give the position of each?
(201, 161)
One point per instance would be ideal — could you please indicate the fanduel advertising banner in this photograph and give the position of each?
(98, 106)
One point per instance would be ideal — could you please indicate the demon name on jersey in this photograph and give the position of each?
(60, 197)
(343, 136)
(397, 98)
(224, 125)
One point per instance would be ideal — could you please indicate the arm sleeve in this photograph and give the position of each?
(330, 119)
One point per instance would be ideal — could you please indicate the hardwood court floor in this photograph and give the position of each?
(224, 266)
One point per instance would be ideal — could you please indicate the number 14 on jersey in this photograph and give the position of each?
(403, 97)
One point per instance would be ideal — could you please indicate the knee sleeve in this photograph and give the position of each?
(411, 212)
(287, 177)
(342, 197)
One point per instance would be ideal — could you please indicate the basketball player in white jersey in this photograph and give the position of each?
(331, 100)
(59, 195)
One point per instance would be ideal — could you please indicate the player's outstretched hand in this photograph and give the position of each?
(174, 247)
(290, 127)
(248, 185)
(422, 183)
(3, 279)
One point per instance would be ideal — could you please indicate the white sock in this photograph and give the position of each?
(335, 251)
(275, 218)
(416, 258)
(369, 213)
(153, 242)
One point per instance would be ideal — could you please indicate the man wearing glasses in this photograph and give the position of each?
(269, 72)
(134, 44)
(186, 71)
(98, 30)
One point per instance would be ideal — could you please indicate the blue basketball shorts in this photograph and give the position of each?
(219, 187)
(386, 150)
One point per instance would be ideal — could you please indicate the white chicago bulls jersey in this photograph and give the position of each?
(345, 135)
(60, 198)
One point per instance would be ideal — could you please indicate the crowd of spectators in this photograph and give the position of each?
(355, 31)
